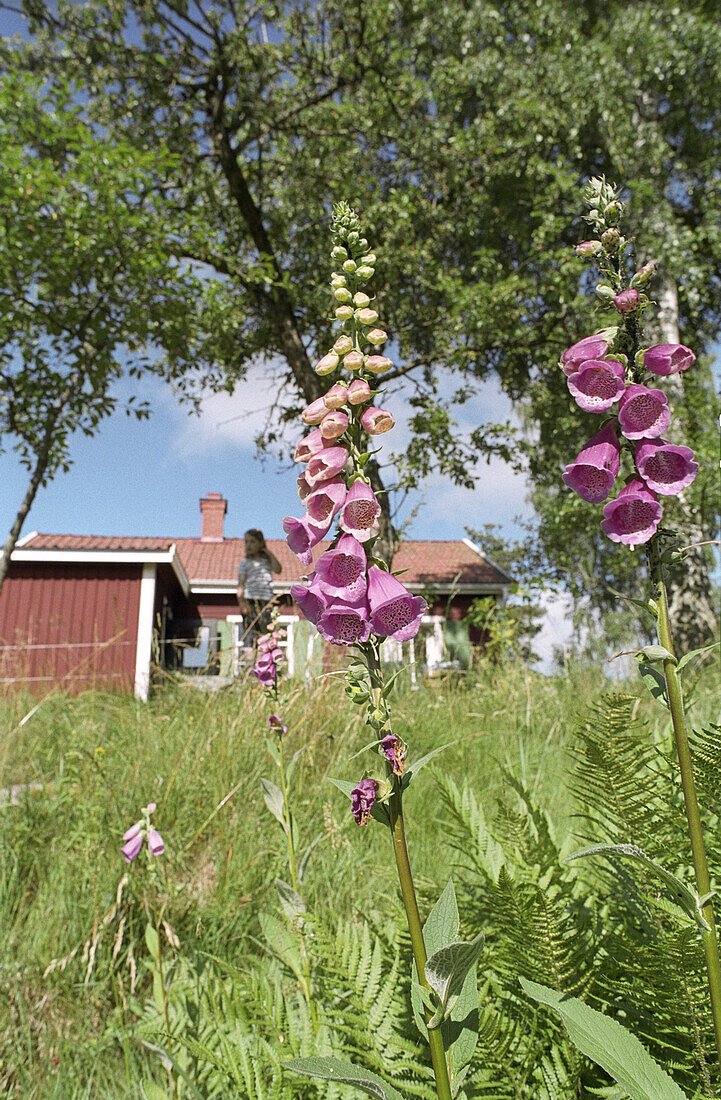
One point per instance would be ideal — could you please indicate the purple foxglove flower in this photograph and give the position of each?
(327, 364)
(326, 464)
(596, 467)
(314, 413)
(665, 468)
(597, 384)
(362, 798)
(360, 512)
(131, 849)
(378, 364)
(133, 831)
(304, 489)
(156, 844)
(376, 421)
(264, 676)
(310, 445)
(358, 392)
(591, 347)
(303, 535)
(342, 566)
(276, 723)
(632, 518)
(394, 612)
(326, 500)
(643, 413)
(333, 424)
(343, 624)
(626, 301)
(336, 396)
(353, 360)
(667, 359)
(395, 752)
(310, 599)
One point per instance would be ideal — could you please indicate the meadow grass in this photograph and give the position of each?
(70, 951)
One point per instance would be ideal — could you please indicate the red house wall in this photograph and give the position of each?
(73, 626)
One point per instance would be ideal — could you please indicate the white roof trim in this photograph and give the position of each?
(109, 557)
(25, 538)
(477, 550)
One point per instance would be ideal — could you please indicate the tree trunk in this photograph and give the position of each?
(41, 466)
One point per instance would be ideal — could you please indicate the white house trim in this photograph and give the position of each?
(110, 557)
(144, 647)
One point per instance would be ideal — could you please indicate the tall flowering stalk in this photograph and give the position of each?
(355, 601)
(613, 374)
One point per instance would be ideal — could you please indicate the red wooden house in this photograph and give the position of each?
(79, 610)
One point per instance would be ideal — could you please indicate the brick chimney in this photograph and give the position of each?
(212, 511)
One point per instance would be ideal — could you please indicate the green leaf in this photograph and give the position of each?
(447, 970)
(290, 899)
(654, 681)
(150, 1091)
(151, 942)
(610, 1045)
(646, 605)
(683, 896)
(345, 1073)
(284, 943)
(273, 797)
(695, 653)
(413, 769)
(440, 928)
(657, 653)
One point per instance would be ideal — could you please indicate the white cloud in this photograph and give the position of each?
(225, 419)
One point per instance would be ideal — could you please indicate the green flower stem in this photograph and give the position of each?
(164, 992)
(693, 816)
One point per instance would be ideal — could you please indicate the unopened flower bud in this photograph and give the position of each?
(365, 272)
(611, 238)
(338, 253)
(369, 258)
(343, 344)
(378, 364)
(604, 293)
(366, 316)
(327, 364)
(343, 295)
(360, 299)
(362, 243)
(353, 239)
(376, 336)
(338, 280)
(314, 413)
(644, 274)
(353, 360)
(626, 301)
(349, 266)
(588, 248)
(358, 392)
(613, 212)
(344, 313)
(336, 396)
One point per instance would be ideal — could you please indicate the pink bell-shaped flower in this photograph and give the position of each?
(310, 598)
(643, 413)
(596, 467)
(376, 421)
(665, 468)
(326, 500)
(394, 612)
(360, 513)
(303, 535)
(665, 359)
(591, 347)
(344, 624)
(632, 518)
(310, 445)
(341, 567)
(326, 464)
(597, 384)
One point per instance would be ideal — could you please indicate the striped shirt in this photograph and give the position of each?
(256, 574)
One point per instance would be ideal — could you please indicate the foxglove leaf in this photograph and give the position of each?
(345, 1073)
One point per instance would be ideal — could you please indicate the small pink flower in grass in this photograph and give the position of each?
(632, 518)
(358, 392)
(665, 468)
(311, 599)
(303, 535)
(643, 413)
(597, 384)
(156, 844)
(310, 445)
(394, 612)
(314, 413)
(596, 467)
(362, 799)
(668, 359)
(326, 464)
(626, 301)
(326, 500)
(342, 566)
(134, 841)
(333, 424)
(276, 723)
(344, 624)
(376, 421)
(394, 751)
(591, 347)
(360, 512)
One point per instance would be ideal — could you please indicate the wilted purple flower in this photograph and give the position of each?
(360, 513)
(376, 421)
(276, 723)
(643, 413)
(667, 359)
(156, 844)
(362, 799)
(342, 566)
(591, 347)
(325, 501)
(345, 624)
(326, 464)
(395, 752)
(626, 301)
(311, 599)
(632, 518)
(665, 468)
(597, 384)
(394, 612)
(596, 467)
(303, 535)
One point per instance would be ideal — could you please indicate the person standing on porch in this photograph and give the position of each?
(255, 589)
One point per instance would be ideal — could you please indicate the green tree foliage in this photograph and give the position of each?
(462, 134)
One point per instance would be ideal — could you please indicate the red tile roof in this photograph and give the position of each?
(430, 563)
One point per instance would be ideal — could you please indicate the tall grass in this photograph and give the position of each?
(71, 943)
